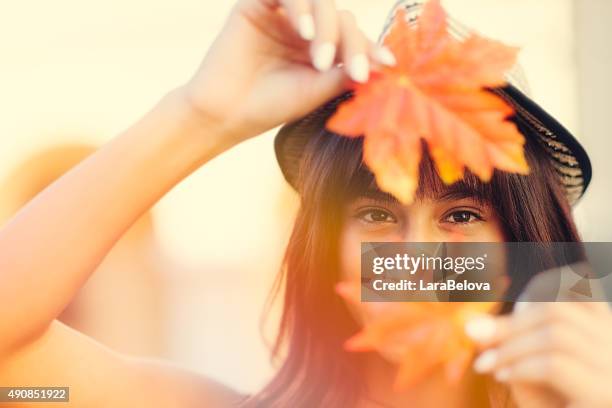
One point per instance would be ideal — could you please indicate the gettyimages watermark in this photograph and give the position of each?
(486, 272)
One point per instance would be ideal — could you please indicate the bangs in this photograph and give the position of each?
(333, 171)
(431, 186)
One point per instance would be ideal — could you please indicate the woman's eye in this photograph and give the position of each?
(462, 217)
(376, 216)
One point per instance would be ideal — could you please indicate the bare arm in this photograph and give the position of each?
(48, 249)
(257, 75)
(100, 377)
(52, 246)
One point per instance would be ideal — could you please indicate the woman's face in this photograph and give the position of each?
(446, 217)
(377, 217)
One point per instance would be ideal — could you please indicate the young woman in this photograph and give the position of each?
(274, 62)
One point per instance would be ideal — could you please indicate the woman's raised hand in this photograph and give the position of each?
(277, 60)
(258, 74)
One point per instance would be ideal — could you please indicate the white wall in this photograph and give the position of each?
(594, 56)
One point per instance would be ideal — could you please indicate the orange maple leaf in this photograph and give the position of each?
(436, 92)
(418, 336)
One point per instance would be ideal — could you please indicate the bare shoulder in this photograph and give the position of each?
(100, 377)
(177, 386)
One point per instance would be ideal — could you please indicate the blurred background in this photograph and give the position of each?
(190, 280)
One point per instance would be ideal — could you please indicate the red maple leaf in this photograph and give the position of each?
(436, 92)
(420, 337)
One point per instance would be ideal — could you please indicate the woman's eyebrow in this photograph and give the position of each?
(457, 192)
(378, 195)
(452, 193)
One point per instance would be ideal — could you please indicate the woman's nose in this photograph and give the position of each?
(420, 231)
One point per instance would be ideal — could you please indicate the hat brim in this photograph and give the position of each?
(569, 158)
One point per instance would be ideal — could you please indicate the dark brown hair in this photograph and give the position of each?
(316, 371)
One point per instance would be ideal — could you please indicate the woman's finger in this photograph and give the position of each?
(300, 15)
(354, 47)
(598, 307)
(381, 54)
(489, 331)
(556, 337)
(571, 313)
(325, 43)
(562, 373)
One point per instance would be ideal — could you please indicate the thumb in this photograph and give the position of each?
(320, 87)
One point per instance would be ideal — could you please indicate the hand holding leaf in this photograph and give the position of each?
(437, 92)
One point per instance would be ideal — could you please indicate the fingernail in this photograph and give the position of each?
(385, 56)
(520, 307)
(359, 68)
(502, 375)
(324, 56)
(306, 27)
(486, 361)
(480, 329)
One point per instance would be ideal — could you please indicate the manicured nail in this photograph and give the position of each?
(306, 27)
(324, 56)
(385, 56)
(481, 329)
(502, 375)
(359, 68)
(486, 361)
(520, 307)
